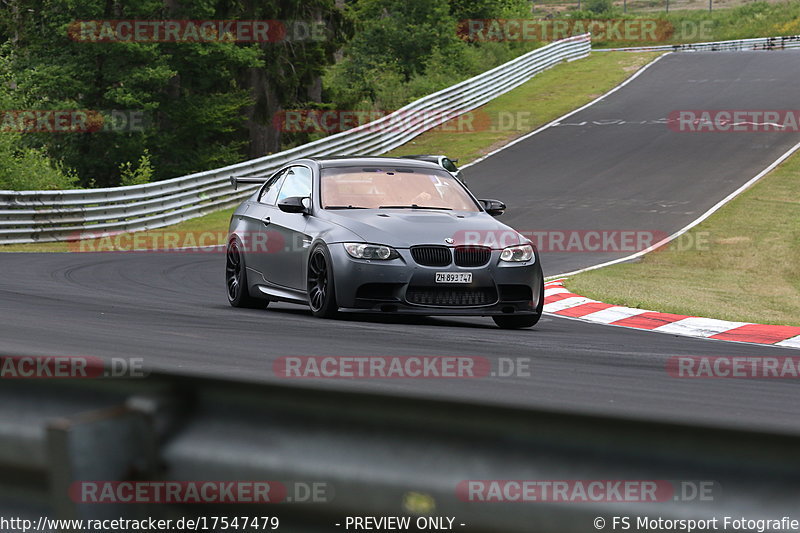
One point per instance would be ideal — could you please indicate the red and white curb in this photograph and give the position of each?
(560, 302)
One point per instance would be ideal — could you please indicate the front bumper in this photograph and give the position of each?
(405, 287)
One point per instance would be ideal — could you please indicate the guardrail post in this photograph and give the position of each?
(114, 444)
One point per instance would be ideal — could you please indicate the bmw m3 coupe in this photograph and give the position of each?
(379, 235)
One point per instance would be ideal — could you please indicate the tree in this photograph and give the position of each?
(291, 75)
(402, 47)
(23, 167)
(487, 9)
(200, 99)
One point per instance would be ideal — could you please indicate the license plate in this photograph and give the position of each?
(454, 277)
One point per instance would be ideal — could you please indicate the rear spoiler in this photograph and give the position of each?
(236, 180)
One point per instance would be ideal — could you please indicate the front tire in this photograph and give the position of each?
(522, 321)
(236, 279)
(320, 287)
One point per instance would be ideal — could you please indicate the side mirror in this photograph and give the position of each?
(293, 204)
(494, 207)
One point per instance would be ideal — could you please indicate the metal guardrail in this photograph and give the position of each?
(46, 216)
(372, 453)
(761, 43)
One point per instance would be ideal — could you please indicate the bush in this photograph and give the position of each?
(599, 7)
(29, 168)
(140, 175)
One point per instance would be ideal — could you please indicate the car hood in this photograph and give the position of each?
(402, 228)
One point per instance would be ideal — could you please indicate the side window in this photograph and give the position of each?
(297, 183)
(269, 192)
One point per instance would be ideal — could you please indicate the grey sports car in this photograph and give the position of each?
(381, 235)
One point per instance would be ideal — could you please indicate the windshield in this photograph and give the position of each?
(390, 187)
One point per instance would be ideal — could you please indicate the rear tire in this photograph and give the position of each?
(320, 287)
(236, 279)
(522, 321)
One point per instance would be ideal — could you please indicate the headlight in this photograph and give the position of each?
(360, 250)
(517, 254)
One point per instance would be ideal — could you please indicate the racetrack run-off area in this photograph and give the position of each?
(561, 302)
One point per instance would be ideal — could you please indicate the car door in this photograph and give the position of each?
(260, 240)
(287, 268)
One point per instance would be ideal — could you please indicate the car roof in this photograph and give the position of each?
(347, 161)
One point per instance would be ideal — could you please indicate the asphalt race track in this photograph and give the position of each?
(593, 171)
(618, 166)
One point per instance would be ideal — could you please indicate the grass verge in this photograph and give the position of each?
(746, 266)
(537, 102)
(756, 19)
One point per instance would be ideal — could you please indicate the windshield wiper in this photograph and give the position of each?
(413, 206)
(345, 207)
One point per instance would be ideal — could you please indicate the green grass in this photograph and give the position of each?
(729, 19)
(748, 269)
(757, 19)
(540, 100)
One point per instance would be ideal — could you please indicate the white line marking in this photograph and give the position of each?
(794, 342)
(692, 224)
(699, 327)
(612, 314)
(566, 303)
(556, 121)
